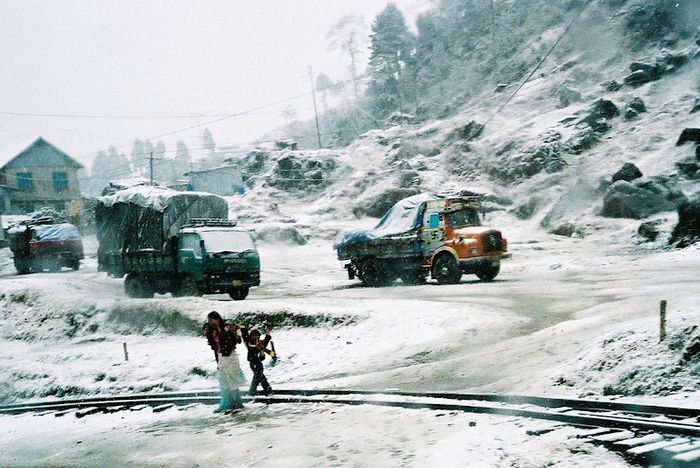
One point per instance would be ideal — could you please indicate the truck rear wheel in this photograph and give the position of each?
(238, 294)
(488, 271)
(53, 264)
(21, 265)
(446, 269)
(371, 273)
(73, 264)
(135, 286)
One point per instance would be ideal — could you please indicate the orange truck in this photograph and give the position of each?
(424, 234)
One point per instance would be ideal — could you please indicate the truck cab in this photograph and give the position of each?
(218, 257)
(454, 242)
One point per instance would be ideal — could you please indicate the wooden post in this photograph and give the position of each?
(662, 320)
(126, 353)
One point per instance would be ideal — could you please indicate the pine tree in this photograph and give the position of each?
(119, 165)
(137, 156)
(392, 48)
(182, 161)
(349, 35)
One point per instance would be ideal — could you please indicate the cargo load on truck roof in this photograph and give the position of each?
(403, 217)
(148, 217)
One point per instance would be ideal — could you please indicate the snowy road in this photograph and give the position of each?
(551, 316)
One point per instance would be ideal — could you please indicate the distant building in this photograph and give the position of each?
(224, 180)
(39, 176)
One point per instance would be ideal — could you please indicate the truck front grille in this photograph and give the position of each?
(493, 242)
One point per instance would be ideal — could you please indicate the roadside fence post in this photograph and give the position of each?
(662, 320)
(126, 353)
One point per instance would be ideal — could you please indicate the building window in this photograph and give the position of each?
(25, 181)
(60, 181)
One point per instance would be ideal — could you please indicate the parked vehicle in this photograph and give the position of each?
(178, 242)
(44, 244)
(424, 234)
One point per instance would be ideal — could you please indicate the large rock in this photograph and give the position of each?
(409, 178)
(627, 172)
(696, 105)
(649, 230)
(601, 109)
(567, 96)
(546, 157)
(378, 205)
(254, 161)
(592, 126)
(307, 172)
(687, 230)
(634, 107)
(641, 198)
(279, 233)
(689, 134)
(667, 62)
(468, 132)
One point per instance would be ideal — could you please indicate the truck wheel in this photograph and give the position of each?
(74, 264)
(446, 270)
(51, 264)
(238, 294)
(488, 272)
(413, 277)
(21, 265)
(135, 287)
(187, 287)
(371, 273)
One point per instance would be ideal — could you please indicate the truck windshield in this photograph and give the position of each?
(227, 241)
(462, 218)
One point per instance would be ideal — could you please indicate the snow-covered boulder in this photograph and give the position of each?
(303, 171)
(279, 233)
(687, 230)
(627, 172)
(634, 107)
(641, 198)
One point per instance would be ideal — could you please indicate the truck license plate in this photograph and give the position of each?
(236, 282)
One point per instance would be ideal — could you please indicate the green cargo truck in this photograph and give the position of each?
(177, 242)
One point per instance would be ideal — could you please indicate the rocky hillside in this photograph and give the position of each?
(593, 138)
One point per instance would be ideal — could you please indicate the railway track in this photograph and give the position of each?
(645, 434)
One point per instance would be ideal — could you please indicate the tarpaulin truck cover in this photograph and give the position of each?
(403, 217)
(55, 232)
(147, 218)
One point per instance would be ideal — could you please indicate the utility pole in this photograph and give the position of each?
(313, 95)
(150, 161)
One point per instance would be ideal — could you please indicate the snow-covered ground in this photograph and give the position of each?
(567, 316)
(300, 435)
(570, 317)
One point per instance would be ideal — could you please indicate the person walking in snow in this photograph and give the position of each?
(256, 354)
(222, 338)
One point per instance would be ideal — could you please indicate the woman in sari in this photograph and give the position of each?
(222, 338)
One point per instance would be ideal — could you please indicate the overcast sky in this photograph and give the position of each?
(164, 58)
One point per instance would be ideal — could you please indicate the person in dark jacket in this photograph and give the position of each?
(256, 354)
(222, 338)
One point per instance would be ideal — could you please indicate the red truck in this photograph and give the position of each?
(42, 244)
(426, 234)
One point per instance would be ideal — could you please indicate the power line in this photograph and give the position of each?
(534, 70)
